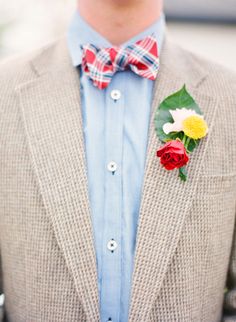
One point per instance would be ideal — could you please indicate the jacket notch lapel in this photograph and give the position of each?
(53, 124)
(166, 200)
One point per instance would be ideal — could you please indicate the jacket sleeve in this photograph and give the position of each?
(229, 310)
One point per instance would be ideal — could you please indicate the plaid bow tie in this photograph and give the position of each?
(100, 64)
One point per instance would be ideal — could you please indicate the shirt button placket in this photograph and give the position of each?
(111, 269)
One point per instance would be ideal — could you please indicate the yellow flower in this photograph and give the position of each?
(195, 127)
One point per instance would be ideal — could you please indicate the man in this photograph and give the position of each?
(92, 227)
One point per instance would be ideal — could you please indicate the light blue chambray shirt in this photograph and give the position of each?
(115, 124)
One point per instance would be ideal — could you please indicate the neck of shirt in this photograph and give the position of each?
(81, 33)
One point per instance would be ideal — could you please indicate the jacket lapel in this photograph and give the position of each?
(51, 112)
(166, 200)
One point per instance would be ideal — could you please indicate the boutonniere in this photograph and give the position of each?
(180, 124)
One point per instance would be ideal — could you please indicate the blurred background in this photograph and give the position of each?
(204, 26)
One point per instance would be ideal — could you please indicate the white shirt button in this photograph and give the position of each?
(115, 94)
(112, 245)
(112, 166)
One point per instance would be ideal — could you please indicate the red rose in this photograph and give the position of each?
(173, 155)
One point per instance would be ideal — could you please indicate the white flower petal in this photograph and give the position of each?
(167, 128)
(178, 115)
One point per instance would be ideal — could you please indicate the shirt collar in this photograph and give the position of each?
(81, 33)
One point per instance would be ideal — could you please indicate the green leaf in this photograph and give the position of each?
(183, 173)
(192, 145)
(179, 99)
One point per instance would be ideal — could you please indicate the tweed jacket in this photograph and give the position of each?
(185, 256)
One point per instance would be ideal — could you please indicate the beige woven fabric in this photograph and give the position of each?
(185, 245)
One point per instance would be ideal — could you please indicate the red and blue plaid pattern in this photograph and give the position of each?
(100, 64)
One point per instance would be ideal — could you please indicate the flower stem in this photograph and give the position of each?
(186, 140)
(183, 173)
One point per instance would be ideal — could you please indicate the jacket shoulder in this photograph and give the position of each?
(219, 81)
(19, 69)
